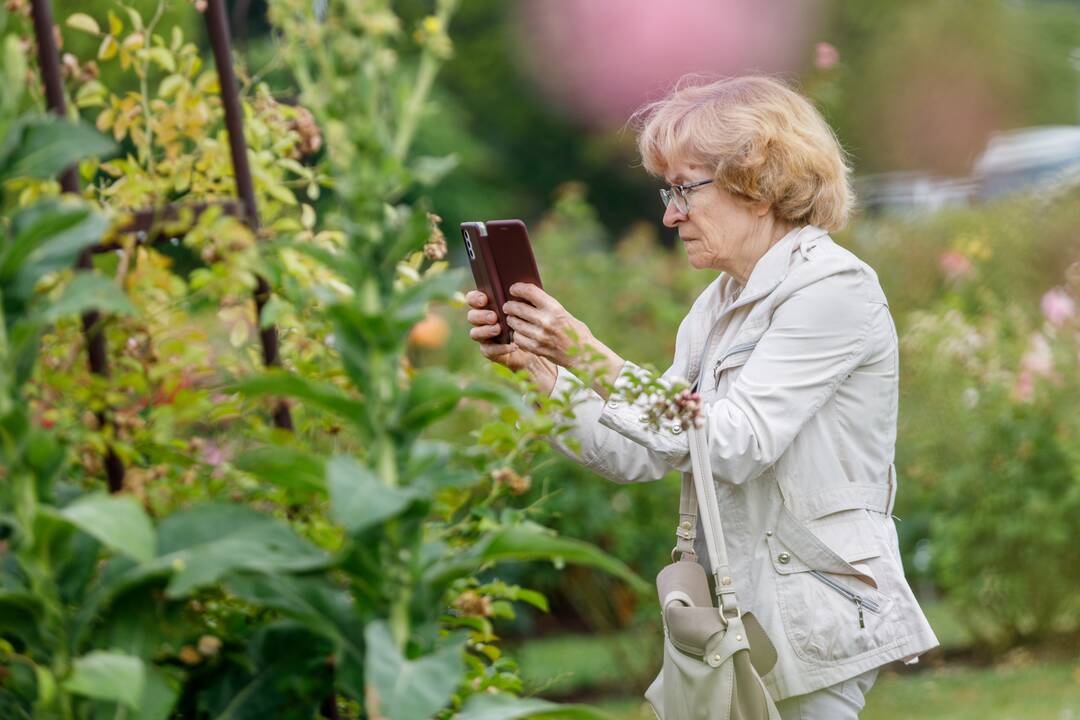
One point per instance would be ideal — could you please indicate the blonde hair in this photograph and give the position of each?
(764, 141)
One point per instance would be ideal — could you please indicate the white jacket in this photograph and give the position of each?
(799, 370)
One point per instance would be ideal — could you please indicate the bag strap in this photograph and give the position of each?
(704, 495)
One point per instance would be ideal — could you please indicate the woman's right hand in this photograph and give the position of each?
(485, 327)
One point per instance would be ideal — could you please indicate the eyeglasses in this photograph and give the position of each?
(679, 194)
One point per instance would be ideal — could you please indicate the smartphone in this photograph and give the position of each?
(500, 255)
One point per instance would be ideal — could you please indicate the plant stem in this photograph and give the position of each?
(425, 76)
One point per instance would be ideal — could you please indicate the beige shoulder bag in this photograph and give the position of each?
(713, 656)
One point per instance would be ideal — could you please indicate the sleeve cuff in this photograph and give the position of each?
(630, 419)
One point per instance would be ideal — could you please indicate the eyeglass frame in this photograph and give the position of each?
(680, 192)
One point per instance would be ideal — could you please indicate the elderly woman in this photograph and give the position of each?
(794, 353)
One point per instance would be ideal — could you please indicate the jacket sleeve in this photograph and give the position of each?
(815, 339)
(609, 452)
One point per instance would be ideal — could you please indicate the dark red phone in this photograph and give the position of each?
(500, 255)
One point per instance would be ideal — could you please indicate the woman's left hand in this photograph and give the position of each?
(544, 327)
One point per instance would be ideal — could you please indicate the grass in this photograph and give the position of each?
(615, 667)
(1044, 691)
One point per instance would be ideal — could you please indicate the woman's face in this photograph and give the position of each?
(716, 228)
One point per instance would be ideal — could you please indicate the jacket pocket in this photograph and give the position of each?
(828, 615)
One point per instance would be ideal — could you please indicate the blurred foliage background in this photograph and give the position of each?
(983, 289)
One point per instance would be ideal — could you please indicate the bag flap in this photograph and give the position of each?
(687, 576)
(762, 651)
(691, 628)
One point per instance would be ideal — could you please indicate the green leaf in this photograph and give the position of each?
(211, 541)
(433, 393)
(42, 146)
(111, 676)
(320, 394)
(282, 675)
(163, 58)
(159, 696)
(48, 236)
(402, 689)
(82, 21)
(430, 170)
(358, 500)
(529, 541)
(501, 706)
(532, 597)
(118, 523)
(323, 609)
(89, 291)
(285, 467)
(274, 309)
(411, 304)
(20, 611)
(91, 94)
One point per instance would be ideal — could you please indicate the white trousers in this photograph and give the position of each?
(843, 701)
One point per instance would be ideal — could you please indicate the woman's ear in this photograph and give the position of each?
(761, 208)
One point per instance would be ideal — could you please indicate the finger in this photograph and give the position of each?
(527, 330)
(494, 350)
(527, 343)
(482, 317)
(534, 295)
(476, 298)
(484, 332)
(524, 311)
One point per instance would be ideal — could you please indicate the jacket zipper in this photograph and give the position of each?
(860, 601)
(733, 351)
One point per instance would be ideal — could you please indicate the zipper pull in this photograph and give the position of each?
(858, 604)
(716, 375)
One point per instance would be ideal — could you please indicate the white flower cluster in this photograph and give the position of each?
(668, 403)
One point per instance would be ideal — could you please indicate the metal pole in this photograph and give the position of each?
(217, 25)
(49, 61)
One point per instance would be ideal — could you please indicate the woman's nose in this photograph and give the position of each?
(673, 215)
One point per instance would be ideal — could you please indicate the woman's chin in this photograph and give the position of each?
(698, 262)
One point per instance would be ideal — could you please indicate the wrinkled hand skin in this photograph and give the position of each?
(486, 326)
(543, 327)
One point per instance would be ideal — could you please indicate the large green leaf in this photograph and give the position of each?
(358, 500)
(42, 146)
(529, 541)
(111, 676)
(288, 468)
(411, 304)
(46, 237)
(500, 706)
(402, 689)
(323, 609)
(320, 394)
(433, 393)
(159, 696)
(282, 675)
(117, 522)
(208, 542)
(20, 611)
(89, 291)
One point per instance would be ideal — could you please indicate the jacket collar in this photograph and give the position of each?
(773, 266)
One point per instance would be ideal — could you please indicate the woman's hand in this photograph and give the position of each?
(486, 326)
(546, 329)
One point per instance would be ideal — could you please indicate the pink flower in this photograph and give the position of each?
(1038, 360)
(825, 56)
(1058, 307)
(954, 264)
(1024, 389)
(213, 454)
